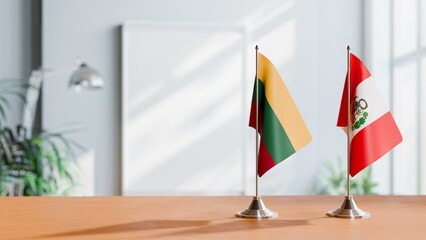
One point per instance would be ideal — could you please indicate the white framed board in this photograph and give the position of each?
(183, 109)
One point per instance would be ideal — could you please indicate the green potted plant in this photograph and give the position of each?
(333, 180)
(35, 165)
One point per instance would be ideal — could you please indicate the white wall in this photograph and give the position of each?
(395, 56)
(15, 47)
(305, 39)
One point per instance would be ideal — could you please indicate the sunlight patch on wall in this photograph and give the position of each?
(266, 12)
(283, 36)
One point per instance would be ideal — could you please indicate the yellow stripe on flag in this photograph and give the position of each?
(282, 104)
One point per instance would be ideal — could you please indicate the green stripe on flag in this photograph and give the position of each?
(261, 92)
(274, 136)
(276, 140)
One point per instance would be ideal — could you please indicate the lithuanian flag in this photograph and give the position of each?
(281, 126)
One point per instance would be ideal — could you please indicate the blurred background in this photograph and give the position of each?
(172, 116)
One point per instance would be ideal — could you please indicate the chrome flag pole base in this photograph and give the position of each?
(257, 209)
(349, 209)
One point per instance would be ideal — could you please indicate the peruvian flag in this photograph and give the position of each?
(373, 129)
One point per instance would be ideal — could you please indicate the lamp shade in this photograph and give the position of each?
(86, 77)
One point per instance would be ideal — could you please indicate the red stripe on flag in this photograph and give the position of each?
(252, 121)
(359, 73)
(374, 141)
(265, 160)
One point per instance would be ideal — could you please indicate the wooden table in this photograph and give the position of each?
(301, 217)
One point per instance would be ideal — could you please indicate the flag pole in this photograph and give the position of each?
(257, 125)
(348, 209)
(349, 122)
(257, 208)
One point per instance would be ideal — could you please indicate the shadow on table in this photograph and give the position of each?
(198, 226)
(237, 225)
(129, 227)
